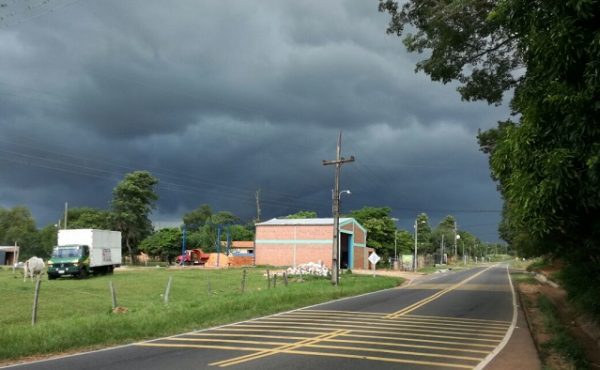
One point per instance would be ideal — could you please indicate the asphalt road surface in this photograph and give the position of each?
(454, 320)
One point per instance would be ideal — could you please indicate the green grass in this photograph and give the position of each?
(76, 314)
(562, 342)
(520, 277)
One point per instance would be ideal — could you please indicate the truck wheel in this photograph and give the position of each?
(109, 270)
(52, 277)
(83, 274)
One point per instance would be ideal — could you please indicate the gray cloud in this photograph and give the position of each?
(220, 99)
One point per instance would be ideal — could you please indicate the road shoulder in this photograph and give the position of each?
(520, 351)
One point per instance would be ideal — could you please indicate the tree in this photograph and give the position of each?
(424, 235)
(404, 242)
(380, 229)
(302, 214)
(198, 217)
(133, 200)
(18, 226)
(89, 218)
(445, 230)
(164, 243)
(46, 240)
(547, 163)
(242, 232)
(467, 41)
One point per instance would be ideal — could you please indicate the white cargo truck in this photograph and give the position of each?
(81, 252)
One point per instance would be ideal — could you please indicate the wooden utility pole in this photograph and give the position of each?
(339, 160)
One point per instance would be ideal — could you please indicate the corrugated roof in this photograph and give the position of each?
(302, 221)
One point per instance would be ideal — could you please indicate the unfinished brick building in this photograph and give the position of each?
(290, 242)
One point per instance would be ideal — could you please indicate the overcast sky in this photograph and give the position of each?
(220, 98)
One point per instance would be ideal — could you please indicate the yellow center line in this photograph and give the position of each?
(277, 350)
(423, 302)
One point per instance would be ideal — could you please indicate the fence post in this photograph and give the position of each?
(269, 279)
(285, 279)
(274, 280)
(243, 280)
(36, 295)
(113, 295)
(168, 289)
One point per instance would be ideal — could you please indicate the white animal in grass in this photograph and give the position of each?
(33, 266)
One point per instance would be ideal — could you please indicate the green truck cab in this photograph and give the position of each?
(71, 260)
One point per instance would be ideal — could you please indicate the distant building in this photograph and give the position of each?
(290, 242)
(9, 255)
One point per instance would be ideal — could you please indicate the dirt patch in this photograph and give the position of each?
(529, 294)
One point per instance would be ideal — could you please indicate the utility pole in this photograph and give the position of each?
(442, 251)
(66, 213)
(339, 160)
(415, 263)
(455, 238)
(257, 196)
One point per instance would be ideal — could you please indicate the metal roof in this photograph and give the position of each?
(303, 221)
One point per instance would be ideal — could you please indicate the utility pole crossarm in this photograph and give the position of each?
(339, 161)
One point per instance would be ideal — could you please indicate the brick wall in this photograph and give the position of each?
(283, 254)
(291, 232)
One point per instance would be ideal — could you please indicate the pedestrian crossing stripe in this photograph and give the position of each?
(400, 337)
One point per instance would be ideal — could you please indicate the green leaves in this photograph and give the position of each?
(133, 200)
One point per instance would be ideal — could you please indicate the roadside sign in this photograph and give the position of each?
(374, 258)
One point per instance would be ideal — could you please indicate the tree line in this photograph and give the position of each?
(134, 199)
(386, 238)
(546, 157)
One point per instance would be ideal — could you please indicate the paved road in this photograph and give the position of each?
(444, 321)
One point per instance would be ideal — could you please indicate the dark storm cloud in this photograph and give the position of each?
(220, 99)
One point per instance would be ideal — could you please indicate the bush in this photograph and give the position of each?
(582, 283)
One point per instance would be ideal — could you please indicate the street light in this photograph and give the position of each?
(339, 253)
(395, 240)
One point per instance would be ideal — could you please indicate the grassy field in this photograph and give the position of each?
(76, 314)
